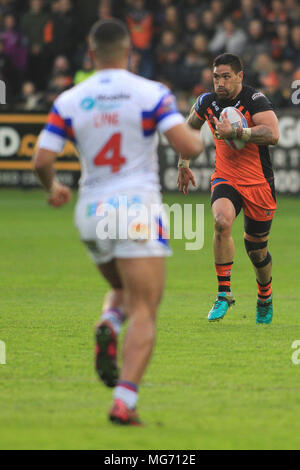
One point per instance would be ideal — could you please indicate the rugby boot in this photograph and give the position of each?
(121, 414)
(264, 311)
(223, 301)
(106, 354)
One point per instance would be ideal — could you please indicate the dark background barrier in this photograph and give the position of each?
(19, 135)
(18, 138)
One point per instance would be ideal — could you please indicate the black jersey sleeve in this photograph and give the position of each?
(200, 105)
(258, 103)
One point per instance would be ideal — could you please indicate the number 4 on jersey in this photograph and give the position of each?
(110, 154)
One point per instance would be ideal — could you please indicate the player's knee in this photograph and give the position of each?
(258, 253)
(142, 303)
(148, 298)
(257, 256)
(222, 225)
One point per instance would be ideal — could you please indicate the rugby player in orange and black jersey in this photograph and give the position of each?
(243, 179)
(251, 165)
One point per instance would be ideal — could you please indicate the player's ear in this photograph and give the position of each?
(241, 75)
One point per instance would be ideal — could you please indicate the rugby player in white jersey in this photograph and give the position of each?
(112, 118)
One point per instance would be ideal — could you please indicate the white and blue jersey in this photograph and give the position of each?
(112, 118)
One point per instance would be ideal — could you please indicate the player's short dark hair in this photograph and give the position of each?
(229, 59)
(107, 35)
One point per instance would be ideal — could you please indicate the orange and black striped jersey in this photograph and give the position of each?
(251, 165)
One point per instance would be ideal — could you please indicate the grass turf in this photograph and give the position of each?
(227, 385)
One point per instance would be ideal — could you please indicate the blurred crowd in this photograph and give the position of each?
(43, 48)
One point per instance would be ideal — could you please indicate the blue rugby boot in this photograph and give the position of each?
(223, 301)
(264, 311)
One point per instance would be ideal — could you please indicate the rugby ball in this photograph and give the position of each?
(237, 119)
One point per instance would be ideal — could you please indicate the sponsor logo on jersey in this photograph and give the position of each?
(98, 207)
(214, 103)
(95, 208)
(257, 95)
(139, 232)
(103, 102)
(88, 103)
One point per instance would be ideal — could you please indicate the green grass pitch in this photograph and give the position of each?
(226, 385)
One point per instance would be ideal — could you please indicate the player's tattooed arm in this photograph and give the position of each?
(265, 130)
(193, 120)
(263, 135)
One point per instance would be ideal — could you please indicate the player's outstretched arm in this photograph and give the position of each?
(185, 175)
(185, 140)
(43, 163)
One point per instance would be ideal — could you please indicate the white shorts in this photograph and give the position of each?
(127, 225)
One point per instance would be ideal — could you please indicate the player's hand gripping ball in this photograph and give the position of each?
(237, 120)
